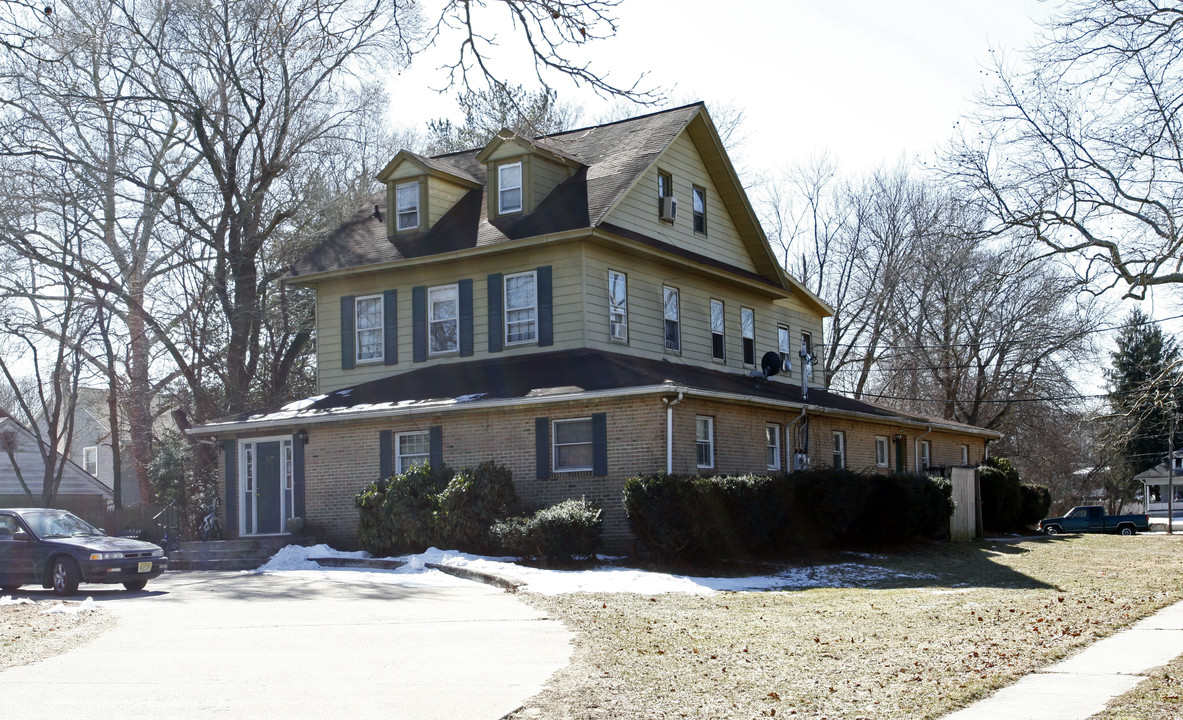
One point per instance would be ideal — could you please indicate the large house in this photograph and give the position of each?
(581, 307)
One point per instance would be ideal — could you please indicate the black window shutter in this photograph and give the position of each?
(419, 323)
(385, 454)
(435, 439)
(390, 327)
(230, 450)
(599, 444)
(546, 332)
(496, 333)
(347, 343)
(297, 476)
(465, 297)
(542, 447)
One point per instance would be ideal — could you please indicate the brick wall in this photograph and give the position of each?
(341, 458)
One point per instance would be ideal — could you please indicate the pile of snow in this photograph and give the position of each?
(604, 579)
(61, 608)
(10, 600)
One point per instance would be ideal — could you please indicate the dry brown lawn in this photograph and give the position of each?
(952, 624)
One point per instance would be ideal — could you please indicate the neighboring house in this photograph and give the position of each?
(79, 490)
(581, 307)
(91, 444)
(1159, 481)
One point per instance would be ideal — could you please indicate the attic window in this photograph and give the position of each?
(699, 196)
(90, 459)
(406, 199)
(509, 188)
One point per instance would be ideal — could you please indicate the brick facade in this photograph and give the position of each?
(341, 457)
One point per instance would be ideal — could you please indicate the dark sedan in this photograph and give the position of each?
(58, 550)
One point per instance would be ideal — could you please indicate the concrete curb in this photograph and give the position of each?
(508, 584)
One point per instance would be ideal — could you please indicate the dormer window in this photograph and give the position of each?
(406, 199)
(509, 188)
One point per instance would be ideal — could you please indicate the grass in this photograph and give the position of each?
(1158, 697)
(950, 625)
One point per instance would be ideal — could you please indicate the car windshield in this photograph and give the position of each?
(59, 524)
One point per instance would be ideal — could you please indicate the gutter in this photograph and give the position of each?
(669, 432)
(916, 448)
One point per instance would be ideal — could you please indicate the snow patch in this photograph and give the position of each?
(603, 579)
(61, 608)
(10, 600)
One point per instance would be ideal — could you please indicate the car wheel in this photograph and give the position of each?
(1126, 530)
(9, 588)
(135, 585)
(1052, 530)
(65, 576)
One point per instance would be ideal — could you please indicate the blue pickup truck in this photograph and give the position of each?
(1092, 519)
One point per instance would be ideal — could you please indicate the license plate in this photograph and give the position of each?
(144, 567)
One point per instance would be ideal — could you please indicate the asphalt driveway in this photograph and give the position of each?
(232, 645)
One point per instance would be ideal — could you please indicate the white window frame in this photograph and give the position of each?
(719, 328)
(882, 451)
(530, 310)
(698, 208)
(618, 307)
(405, 461)
(666, 293)
(807, 343)
(502, 188)
(408, 211)
(555, 445)
(747, 333)
(965, 455)
(454, 289)
(358, 330)
(706, 422)
(839, 439)
(784, 341)
(925, 455)
(90, 459)
(772, 445)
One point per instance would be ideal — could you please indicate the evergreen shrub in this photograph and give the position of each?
(559, 533)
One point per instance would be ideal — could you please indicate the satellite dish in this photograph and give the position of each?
(770, 363)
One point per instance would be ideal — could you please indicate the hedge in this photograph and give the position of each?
(692, 518)
(559, 533)
(434, 506)
(1007, 502)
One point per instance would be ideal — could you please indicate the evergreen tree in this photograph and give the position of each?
(486, 112)
(1144, 392)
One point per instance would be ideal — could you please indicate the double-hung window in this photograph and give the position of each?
(925, 455)
(617, 306)
(747, 329)
(673, 334)
(573, 445)
(772, 445)
(509, 188)
(521, 308)
(368, 320)
(839, 449)
(881, 458)
(406, 205)
(410, 449)
(704, 440)
(443, 319)
(783, 344)
(965, 455)
(90, 459)
(718, 346)
(699, 198)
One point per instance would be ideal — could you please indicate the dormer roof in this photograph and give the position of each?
(535, 147)
(430, 166)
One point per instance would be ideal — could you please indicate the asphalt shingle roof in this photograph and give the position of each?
(612, 156)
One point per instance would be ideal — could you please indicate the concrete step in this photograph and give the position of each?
(240, 554)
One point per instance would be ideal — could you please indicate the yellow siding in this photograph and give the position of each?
(546, 176)
(566, 293)
(637, 211)
(441, 196)
(646, 318)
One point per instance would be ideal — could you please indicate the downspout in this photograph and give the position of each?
(916, 448)
(791, 452)
(669, 432)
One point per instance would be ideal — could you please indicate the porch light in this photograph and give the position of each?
(303, 435)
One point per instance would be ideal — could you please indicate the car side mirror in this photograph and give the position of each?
(21, 536)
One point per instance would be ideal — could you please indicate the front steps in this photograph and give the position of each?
(244, 554)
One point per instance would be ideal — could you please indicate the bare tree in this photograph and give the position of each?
(1081, 148)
